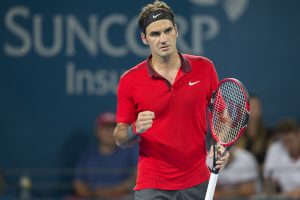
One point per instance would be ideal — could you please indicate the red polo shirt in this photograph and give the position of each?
(172, 152)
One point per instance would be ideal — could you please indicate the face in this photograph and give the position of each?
(161, 37)
(291, 142)
(256, 110)
(105, 135)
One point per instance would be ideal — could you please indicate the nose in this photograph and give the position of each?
(163, 38)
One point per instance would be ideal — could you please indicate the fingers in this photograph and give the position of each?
(222, 161)
(223, 156)
(144, 121)
(220, 151)
(146, 115)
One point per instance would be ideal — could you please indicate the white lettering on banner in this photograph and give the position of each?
(87, 39)
(200, 23)
(94, 36)
(38, 36)
(18, 31)
(86, 82)
(93, 33)
(131, 38)
(107, 47)
(204, 28)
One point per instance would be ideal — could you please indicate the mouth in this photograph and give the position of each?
(164, 48)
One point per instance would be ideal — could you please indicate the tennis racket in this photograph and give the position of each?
(228, 115)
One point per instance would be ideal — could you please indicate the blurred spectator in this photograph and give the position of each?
(239, 178)
(106, 171)
(256, 138)
(282, 165)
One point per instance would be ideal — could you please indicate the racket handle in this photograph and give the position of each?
(211, 186)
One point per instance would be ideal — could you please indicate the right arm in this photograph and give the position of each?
(122, 135)
(126, 135)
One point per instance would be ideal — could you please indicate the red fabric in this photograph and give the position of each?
(173, 152)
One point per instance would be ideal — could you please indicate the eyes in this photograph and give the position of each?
(157, 33)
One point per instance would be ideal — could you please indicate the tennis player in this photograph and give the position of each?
(162, 104)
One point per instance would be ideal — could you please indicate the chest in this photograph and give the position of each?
(170, 76)
(188, 91)
(116, 159)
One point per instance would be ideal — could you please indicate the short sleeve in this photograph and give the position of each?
(126, 112)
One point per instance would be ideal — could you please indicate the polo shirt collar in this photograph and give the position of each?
(185, 66)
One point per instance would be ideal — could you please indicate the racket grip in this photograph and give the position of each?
(211, 186)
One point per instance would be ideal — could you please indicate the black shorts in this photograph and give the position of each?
(194, 193)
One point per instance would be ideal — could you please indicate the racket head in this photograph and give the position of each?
(228, 111)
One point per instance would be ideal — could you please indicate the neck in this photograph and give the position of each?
(166, 63)
(253, 128)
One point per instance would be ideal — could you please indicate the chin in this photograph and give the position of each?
(166, 53)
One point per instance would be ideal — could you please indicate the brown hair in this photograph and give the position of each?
(286, 126)
(156, 7)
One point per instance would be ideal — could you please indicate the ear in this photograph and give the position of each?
(175, 25)
(144, 39)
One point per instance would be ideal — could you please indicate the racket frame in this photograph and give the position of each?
(246, 96)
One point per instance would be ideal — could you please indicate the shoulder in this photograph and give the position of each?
(200, 64)
(245, 155)
(274, 152)
(275, 148)
(198, 59)
(134, 70)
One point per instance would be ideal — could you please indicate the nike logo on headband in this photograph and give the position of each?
(154, 16)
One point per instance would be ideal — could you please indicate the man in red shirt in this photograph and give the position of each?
(162, 104)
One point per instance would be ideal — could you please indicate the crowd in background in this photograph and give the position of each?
(264, 163)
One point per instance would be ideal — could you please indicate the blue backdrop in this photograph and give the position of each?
(61, 61)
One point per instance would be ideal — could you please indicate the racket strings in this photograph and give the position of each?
(229, 112)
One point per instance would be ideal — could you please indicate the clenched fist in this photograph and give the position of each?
(144, 121)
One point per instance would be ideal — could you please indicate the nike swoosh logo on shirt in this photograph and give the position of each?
(193, 83)
(154, 16)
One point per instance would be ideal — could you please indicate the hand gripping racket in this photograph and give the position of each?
(228, 115)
